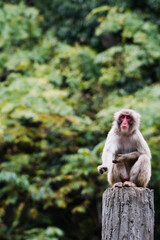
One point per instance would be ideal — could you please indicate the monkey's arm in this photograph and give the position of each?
(108, 154)
(142, 147)
(132, 157)
(107, 157)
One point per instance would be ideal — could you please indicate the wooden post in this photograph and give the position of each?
(128, 214)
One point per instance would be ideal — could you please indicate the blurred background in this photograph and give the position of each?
(65, 68)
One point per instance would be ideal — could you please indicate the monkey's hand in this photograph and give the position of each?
(132, 157)
(120, 158)
(102, 169)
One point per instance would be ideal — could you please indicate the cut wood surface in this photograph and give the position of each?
(128, 214)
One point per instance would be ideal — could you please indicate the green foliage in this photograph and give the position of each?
(137, 49)
(17, 25)
(57, 102)
(62, 15)
(50, 233)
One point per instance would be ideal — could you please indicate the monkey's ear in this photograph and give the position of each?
(116, 115)
(137, 116)
(137, 119)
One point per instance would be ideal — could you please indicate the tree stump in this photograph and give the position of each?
(128, 214)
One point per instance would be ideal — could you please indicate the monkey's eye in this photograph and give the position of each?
(128, 117)
(122, 116)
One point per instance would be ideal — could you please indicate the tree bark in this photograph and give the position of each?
(128, 214)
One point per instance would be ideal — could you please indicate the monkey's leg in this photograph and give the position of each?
(141, 171)
(118, 175)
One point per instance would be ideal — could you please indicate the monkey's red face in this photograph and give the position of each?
(125, 121)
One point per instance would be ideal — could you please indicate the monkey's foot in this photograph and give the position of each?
(118, 184)
(129, 184)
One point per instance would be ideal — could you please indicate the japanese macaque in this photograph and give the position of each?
(126, 155)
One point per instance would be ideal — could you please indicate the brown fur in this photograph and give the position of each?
(126, 155)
